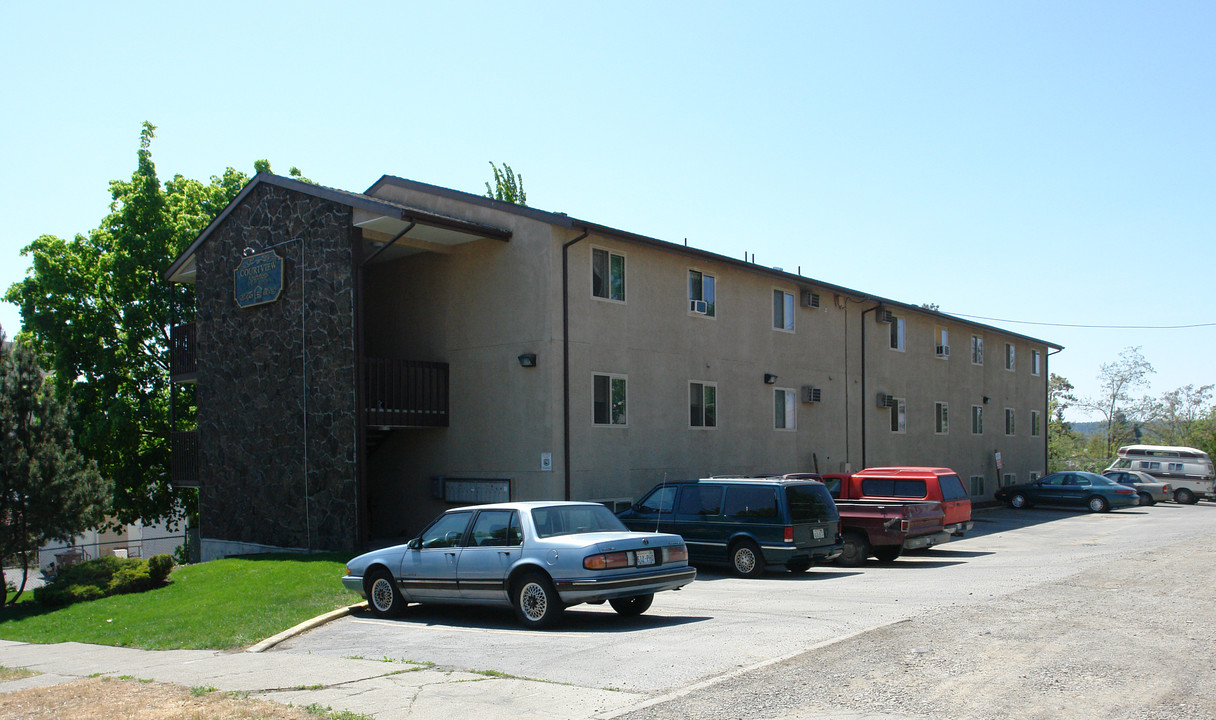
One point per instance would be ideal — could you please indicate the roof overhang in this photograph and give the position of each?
(381, 221)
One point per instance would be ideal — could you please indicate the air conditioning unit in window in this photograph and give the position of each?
(699, 306)
(810, 299)
(885, 400)
(943, 351)
(810, 394)
(885, 316)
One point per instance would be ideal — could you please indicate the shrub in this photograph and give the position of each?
(104, 576)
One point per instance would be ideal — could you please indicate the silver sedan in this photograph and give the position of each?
(537, 557)
(1149, 488)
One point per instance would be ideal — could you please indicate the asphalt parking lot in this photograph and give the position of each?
(721, 625)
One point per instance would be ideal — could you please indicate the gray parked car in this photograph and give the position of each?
(1149, 488)
(537, 557)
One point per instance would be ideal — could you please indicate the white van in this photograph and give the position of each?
(1187, 470)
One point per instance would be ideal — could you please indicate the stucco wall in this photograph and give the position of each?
(276, 381)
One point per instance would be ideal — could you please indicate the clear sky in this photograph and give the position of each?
(1042, 162)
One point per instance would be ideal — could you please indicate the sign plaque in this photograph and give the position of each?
(258, 279)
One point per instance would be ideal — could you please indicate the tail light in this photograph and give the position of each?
(606, 561)
(905, 525)
(1167, 489)
(789, 533)
(675, 553)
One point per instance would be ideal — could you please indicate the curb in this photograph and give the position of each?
(303, 627)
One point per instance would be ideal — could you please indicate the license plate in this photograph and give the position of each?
(645, 557)
(817, 533)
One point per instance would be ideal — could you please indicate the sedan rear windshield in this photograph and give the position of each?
(810, 503)
(572, 519)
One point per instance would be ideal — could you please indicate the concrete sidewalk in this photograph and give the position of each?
(383, 689)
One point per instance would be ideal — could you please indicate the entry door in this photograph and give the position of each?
(494, 546)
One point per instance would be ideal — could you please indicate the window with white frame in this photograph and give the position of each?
(977, 485)
(941, 336)
(703, 404)
(607, 275)
(1034, 423)
(1009, 356)
(1010, 479)
(1035, 359)
(899, 415)
(1035, 475)
(897, 333)
(783, 311)
(1009, 424)
(608, 401)
(785, 406)
(977, 419)
(977, 350)
(702, 293)
(941, 419)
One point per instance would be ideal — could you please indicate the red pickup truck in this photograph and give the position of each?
(883, 528)
(936, 484)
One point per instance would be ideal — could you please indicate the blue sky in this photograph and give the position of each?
(1035, 161)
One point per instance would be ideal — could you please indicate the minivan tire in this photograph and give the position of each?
(746, 559)
(1183, 496)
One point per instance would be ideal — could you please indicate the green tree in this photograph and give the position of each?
(96, 308)
(507, 185)
(1118, 380)
(1062, 442)
(48, 491)
(1181, 417)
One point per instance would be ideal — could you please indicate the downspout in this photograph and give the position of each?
(566, 359)
(863, 384)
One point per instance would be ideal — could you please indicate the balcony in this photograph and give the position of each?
(183, 361)
(183, 467)
(406, 393)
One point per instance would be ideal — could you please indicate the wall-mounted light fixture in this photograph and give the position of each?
(527, 360)
(769, 378)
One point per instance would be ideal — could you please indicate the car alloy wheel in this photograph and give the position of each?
(383, 598)
(535, 601)
(1098, 504)
(746, 559)
(1018, 501)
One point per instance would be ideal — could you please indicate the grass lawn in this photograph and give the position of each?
(218, 605)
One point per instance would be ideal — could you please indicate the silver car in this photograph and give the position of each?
(1149, 488)
(537, 557)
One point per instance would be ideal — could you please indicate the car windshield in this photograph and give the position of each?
(572, 519)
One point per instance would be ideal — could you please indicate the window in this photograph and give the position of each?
(1149, 465)
(750, 502)
(1174, 467)
(977, 350)
(942, 425)
(977, 485)
(608, 405)
(662, 500)
(899, 416)
(1034, 362)
(1010, 479)
(784, 409)
(1009, 356)
(977, 419)
(447, 531)
(607, 275)
(1034, 423)
(1035, 475)
(702, 294)
(783, 310)
(496, 528)
(897, 333)
(700, 500)
(941, 337)
(1009, 425)
(703, 404)
(889, 487)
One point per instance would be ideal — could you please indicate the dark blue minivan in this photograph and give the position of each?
(746, 523)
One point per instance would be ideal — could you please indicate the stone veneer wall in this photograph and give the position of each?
(276, 382)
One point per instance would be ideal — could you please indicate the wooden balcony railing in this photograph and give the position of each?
(183, 361)
(406, 393)
(183, 448)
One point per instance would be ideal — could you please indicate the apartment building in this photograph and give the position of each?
(366, 360)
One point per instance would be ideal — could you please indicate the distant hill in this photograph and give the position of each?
(1089, 428)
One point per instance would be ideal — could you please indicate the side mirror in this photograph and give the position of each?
(414, 544)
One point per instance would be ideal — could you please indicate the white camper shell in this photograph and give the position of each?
(1187, 470)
